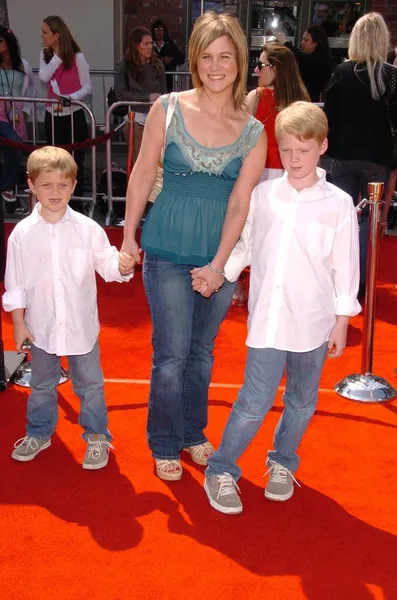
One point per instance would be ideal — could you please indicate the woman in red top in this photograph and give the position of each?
(279, 84)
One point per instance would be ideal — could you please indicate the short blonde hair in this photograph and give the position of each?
(51, 158)
(208, 28)
(304, 120)
(369, 43)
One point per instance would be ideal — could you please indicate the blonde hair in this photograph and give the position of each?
(210, 27)
(50, 158)
(303, 120)
(369, 43)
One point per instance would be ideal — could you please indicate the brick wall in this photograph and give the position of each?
(387, 8)
(142, 13)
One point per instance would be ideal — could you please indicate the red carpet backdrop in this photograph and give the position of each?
(121, 533)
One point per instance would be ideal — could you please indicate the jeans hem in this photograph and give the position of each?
(282, 462)
(191, 444)
(40, 437)
(217, 472)
(162, 457)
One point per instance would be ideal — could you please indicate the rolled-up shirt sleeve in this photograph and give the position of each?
(240, 257)
(106, 258)
(346, 261)
(15, 295)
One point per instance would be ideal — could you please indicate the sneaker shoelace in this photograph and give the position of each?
(227, 485)
(29, 442)
(279, 474)
(95, 448)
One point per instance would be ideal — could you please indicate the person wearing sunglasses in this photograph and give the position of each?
(16, 79)
(279, 85)
(166, 49)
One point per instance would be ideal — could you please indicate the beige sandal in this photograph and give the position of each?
(200, 453)
(168, 470)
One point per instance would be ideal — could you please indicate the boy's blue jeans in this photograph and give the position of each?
(185, 326)
(263, 372)
(87, 380)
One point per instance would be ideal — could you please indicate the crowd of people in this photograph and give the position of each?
(241, 187)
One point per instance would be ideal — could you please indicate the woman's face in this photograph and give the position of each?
(267, 73)
(217, 66)
(307, 44)
(145, 48)
(158, 33)
(3, 45)
(48, 38)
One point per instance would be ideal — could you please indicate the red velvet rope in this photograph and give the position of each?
(101, 139)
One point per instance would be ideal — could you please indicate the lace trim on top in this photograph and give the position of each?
(210, 160)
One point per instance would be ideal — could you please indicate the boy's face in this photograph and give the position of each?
(53, 190)
(300, 158)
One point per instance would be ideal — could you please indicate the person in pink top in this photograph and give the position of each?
(66, 72)
(16, 79)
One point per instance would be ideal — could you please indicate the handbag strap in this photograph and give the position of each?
(173, 97)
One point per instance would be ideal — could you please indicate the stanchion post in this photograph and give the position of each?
(131, 116)
(364, 386)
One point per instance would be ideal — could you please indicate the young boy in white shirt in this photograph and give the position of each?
(301, 240)
(50, 287)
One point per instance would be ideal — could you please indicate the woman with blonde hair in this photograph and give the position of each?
(65, 70)
(214, 154)
(361, 106)
(279, 85)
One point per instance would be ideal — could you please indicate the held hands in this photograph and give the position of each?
(337, 339)
(205, 281)
(129, 256)
(21, 334)
(281, 38)
(126, 263)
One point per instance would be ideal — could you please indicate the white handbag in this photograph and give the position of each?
(158, 184)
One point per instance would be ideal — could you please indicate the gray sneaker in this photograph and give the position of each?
(97, 453)
(280, 486)
(223, 493)
(27, 448)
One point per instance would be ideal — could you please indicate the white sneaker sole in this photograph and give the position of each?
(278, 497)
(96, 466)
(28, 457)
(226, 510)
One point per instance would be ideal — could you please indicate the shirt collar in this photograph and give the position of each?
(317, 188)
(70, 215)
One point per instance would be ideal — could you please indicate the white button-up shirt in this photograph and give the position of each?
(303, 250)
(50, 272)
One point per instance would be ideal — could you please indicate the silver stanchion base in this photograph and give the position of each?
(365, 388)
(24, 373)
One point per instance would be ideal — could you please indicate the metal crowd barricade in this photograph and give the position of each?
(109, 197)
(20, 99)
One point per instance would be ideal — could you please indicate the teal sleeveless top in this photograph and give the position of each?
(184, 225)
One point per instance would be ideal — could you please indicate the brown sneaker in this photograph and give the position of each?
(27, 448)
(280, 486)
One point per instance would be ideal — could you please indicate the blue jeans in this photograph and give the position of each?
(87, 380)
(11, 158)
(353, 176)
(263, 372)
(185, 326)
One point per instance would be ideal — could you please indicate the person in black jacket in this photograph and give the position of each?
(313, 58)
(166, 49)
(360, 105)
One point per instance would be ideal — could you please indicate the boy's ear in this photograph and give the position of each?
(74, 186)
(324, 146)
(31, 186)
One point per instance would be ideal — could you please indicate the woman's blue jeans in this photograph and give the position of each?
(353, 177)
(185, 326)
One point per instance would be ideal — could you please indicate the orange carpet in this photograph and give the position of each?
(121, 533)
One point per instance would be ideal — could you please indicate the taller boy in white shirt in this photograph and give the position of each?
(50, 287)
(301, 240)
